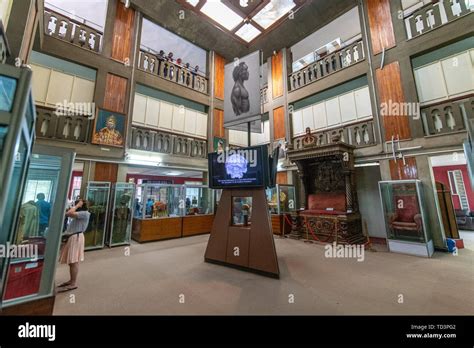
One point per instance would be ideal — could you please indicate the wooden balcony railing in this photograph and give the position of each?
(69, 30)
(434, 15)
(63, 127)
(170, 71)
(166, 143)
(331, 63)
(360, 134)
(447, 117)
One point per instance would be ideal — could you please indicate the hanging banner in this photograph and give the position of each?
(242, 100)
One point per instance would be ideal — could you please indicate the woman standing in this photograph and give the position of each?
(73, 251)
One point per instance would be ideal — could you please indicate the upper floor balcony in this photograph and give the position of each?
(69, 126)
(448, 116)
(167, 143)
(433, 15)
(361, 134)
(151, 62)
(73, 31)
(329, 64)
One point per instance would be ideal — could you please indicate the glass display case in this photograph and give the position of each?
(281, 199)
(159, 200)
(97, 196)
(241, 211)
(17, 118)
(405, 217)
(164, 211)
(37, 233)
(199, 200)
(121, 220)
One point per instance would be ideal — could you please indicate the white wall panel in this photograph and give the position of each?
(459, 74)
(60, 88)
(319, 114)
(237, 137)
(190, 122)
(166, 116)
(139, 109)
(297, 120)
(347, 106)
(178, 118)
(82, 91)
(152, 112)
(201, 125)
(333, 112)
(308, 120)
(430, 83)
(362, 100)
(40, 83)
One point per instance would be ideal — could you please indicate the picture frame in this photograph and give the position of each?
(109, 128)
(219, 144)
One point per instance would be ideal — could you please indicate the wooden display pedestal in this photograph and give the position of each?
(249, 248)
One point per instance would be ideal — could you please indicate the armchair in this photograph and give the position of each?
(465, 219)
(406, 221)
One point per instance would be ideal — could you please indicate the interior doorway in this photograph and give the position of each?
(454, 194)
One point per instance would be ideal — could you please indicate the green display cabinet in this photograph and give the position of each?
(121, 215)
(97, 197)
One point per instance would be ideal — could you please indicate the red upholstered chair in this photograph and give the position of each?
(320, 202)
(406, 220)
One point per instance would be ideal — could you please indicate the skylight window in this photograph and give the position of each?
(192, 2)
(248, 32)
(222, 14)
(271, 13)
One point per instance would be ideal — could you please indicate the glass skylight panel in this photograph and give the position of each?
(223, 15)
(192, 2)
(273, 12)
(248, 32)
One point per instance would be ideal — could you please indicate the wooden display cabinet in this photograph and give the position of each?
(148, 230)
(197, 224)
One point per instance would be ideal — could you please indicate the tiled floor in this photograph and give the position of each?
(154, 277)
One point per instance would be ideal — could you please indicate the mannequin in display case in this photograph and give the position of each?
(122, 217)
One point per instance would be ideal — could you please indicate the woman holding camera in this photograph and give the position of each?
(73, 251)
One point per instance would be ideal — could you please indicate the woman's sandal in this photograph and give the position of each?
(67, 288)
(64, 284)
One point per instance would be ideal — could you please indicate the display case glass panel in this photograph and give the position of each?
(199, 200)
(241, 211)
(281, 199)
(97, 197)
(121, 222)
(15, 183)
(158, 201)
(7, 92)
(3, 135)
(34, 251)
(404, 211)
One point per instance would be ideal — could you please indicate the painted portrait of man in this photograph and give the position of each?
(109, 129)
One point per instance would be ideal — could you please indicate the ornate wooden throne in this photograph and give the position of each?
(328, 189)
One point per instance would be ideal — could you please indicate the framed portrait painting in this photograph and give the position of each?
(109, 128)
(219, 144)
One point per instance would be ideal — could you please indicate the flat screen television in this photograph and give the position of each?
(240, 168)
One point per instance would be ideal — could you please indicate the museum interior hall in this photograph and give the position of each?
(236, 157)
